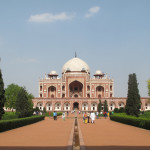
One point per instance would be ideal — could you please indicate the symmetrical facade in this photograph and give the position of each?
(76, 89)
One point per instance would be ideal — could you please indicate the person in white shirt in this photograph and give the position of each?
(97, 114)
(92, 116)
(63, 116)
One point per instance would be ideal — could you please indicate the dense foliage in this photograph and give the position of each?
(142, 121)
(24, 106)
(2, 96)
(11, 93)
(105, 106)
(133, 103)
(99, 106)
(9, 116)
(120, 110)
(15, 123)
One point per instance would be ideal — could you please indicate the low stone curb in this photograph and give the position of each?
(70, 141)
(82, 145)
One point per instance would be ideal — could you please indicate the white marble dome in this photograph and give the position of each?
(98, 72)
(53, 72)
(75, 64)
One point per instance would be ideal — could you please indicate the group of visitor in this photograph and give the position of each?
(88, 116)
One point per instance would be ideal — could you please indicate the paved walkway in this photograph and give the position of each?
(109, 135)
(44, 134)
(50, 134)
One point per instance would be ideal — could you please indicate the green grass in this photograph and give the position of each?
(9, 116)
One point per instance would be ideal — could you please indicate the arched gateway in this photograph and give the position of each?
(75, 105)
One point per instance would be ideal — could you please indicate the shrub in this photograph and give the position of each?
(9, 116)
(116, 110)
(51, 114)
(15, 123)
(132, 120)
(121, 110)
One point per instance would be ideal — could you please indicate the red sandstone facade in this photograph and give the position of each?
(76, 89)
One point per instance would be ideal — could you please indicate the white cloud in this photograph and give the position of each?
(49, 17)
(92, 11)
(25, 60)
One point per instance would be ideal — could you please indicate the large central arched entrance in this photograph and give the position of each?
(76, 89)
(75, 105)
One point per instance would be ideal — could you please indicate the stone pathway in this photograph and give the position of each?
(50, 134)
(44, 134)
(109, 135)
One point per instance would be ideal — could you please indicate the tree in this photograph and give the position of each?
(121, 110)
(148, 85)
(99, 106)
(105, 106)
(24, 106)
(133, 103)
(44, 111)
(30, 104)
(11, 93)
(116, 110)
(2, 96)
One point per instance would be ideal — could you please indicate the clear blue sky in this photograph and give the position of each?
(37, 36)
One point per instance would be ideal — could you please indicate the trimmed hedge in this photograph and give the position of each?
(58, 114)
(131, 120)
(15, 123)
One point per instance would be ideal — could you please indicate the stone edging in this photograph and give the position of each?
(70, 141)
(82, 145)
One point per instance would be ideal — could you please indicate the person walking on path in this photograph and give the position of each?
(54, 115)
(92, 116)
(85, 118)
(88, 115)
(67, 113)
(105, 115)
(101, 114)
(49, 114)
(108, 114)
(63, 116)
(97, 114)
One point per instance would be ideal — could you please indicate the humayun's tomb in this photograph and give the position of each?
(76, 89)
